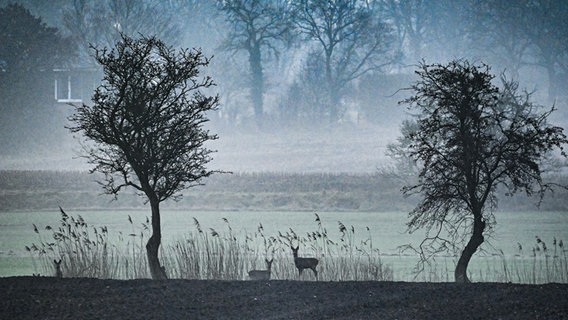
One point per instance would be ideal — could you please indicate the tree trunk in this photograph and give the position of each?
(552, 84)
(332, 94)
(474, 242)
(257, 83)
(157, 271)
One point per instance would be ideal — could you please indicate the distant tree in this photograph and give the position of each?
(29, 50)
(404, 166)
(102, 22)
(413, 21)
(146, 123)
(428, 29)
(257, 27)
(49, 11)
(495, 29)
(307, 98)
(545, 24)
(471, 137)
(526, 33)
(351, 41)
(29, 46)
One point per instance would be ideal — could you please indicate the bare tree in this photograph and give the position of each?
(350, 39)
(429, 29)
(525, 33)
(307, 98)
(257, 27)
(546, 25)
(471, 138)
(146, 124)
(495, 30)
(412, 21)
(101, 23)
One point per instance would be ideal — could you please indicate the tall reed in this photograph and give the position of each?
(207, 254)
(541, 264)
(348, 258)
(86, 251)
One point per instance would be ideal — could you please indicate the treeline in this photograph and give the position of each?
(345, 56)
(47, 190)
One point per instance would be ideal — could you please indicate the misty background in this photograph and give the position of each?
(299, 93)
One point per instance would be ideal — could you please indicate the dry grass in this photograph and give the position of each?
(204, 253)
(542, 264)
(86, 251)
(215, 254)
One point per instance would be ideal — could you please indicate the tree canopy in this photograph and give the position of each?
(28, 44)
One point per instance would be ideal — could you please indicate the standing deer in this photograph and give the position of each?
(57, 264)
(304, 263)
(262, 274)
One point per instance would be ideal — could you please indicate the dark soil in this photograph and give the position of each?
(51, 298)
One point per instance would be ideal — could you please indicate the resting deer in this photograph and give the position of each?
(57, 264)
(304, 263)
(262, 274)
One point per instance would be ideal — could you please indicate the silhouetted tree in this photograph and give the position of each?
(257, 27)
(29, 50)
(146, 123)
(351, 41)
(470, 138)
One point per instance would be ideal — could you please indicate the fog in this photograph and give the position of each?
(306, 122)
